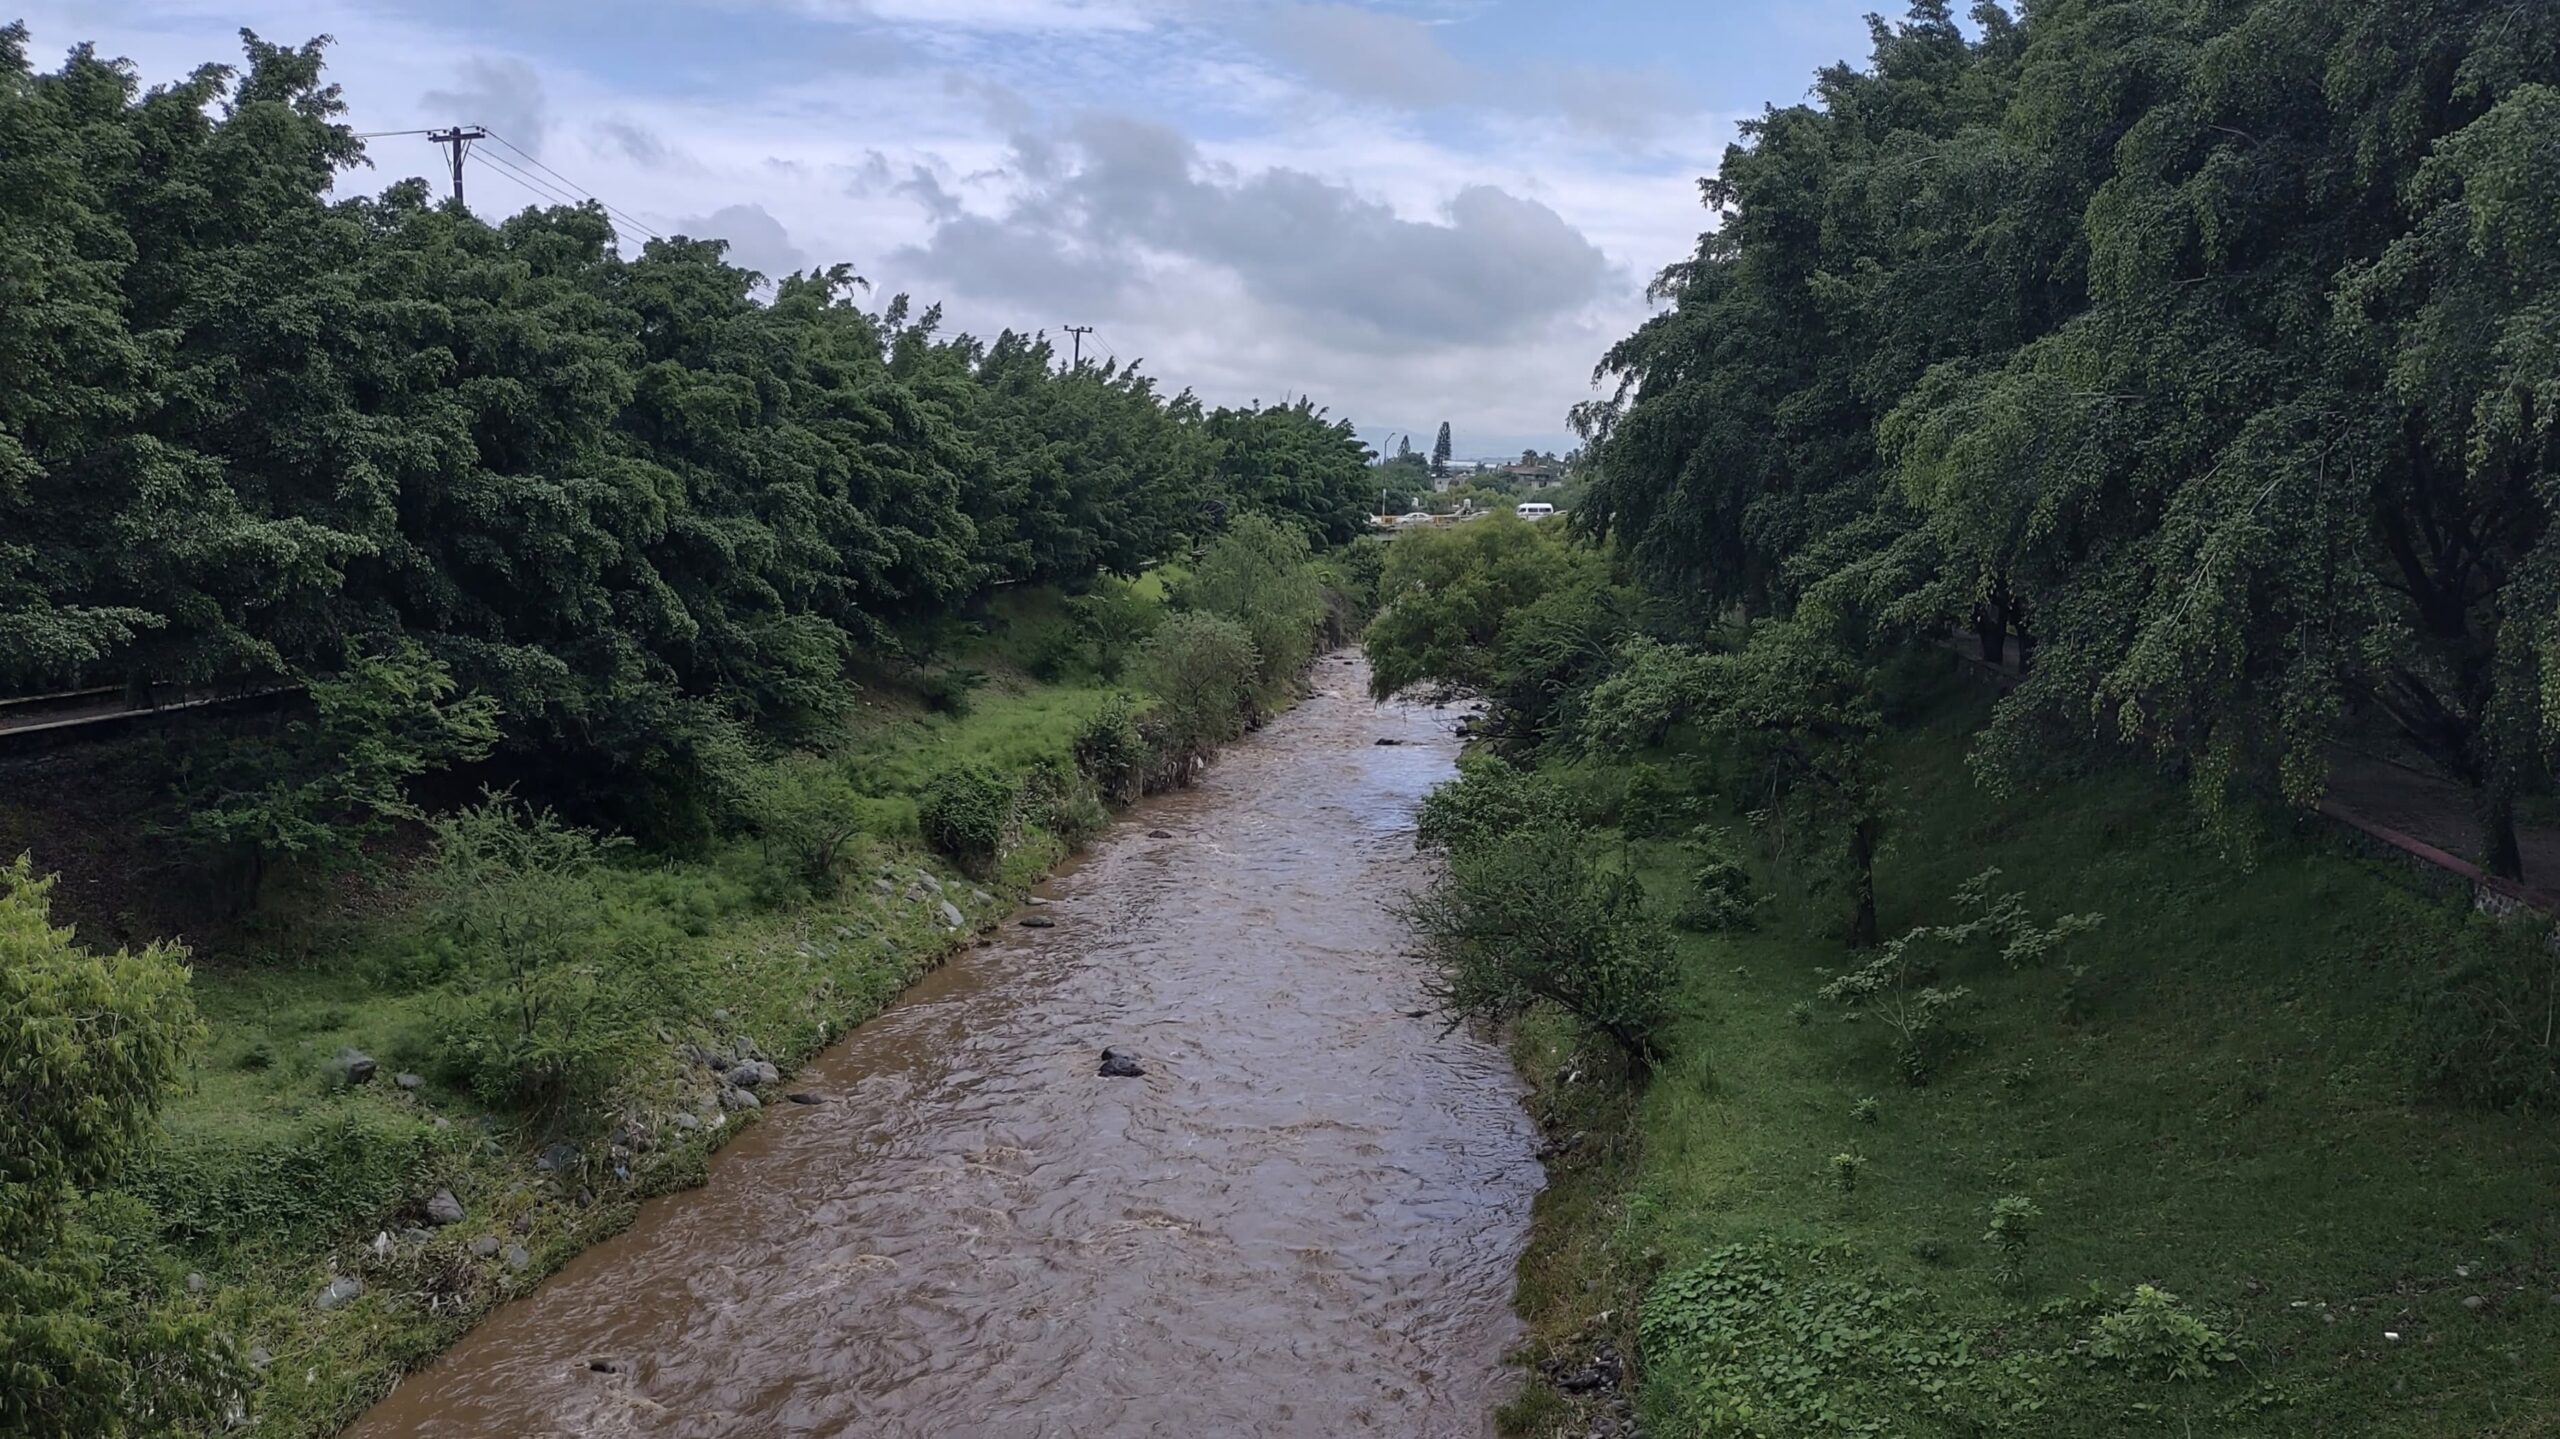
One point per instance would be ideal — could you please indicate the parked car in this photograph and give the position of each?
(1415, 517)
(1536, 510)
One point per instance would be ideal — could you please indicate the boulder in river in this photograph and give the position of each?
(444, 1209)
(1159, 834)
(1039, 921)
(802, 1096)
(1386, 740)
(1116, 1065)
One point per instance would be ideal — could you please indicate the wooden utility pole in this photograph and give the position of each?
(1079, 331)
(458, 141)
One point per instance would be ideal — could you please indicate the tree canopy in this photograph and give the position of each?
(636, 502)
(2217, 347)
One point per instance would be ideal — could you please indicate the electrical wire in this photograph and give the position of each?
(386, 134)
(530, 182)
(573, 185)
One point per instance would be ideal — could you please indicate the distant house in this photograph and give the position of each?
(1540, 476)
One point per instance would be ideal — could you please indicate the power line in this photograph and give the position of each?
(574, 186)
(536, 187)
(387, 134)
(1079, 331)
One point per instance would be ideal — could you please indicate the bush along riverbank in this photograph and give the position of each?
(1898, 1084)
(421, 1104)
(2179, 1161)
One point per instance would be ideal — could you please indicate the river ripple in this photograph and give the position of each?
(1303, 1221)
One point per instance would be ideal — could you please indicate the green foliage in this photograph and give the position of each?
(1202, 669)
(967, 812)
(316, 787)
(1766, 1341)
(1899, 984)
(1447, 598)
(2014, 1219)
(947, 690)
(89, 1045)
(1722, 893)
(2152, 1337)
(1487, 801)
(1845, 1168)
(1867, 1110)
(1795, 718)
(2211, 346)
(641, 507)
(807, 814)
(1114, 753)
(300, 1178)
(2488, 1019)
(1114, 618)
(550, 979)
(1258, 574)
(1528, 916)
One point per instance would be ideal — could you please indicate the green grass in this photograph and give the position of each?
(273, 1176)
(2225, 1108)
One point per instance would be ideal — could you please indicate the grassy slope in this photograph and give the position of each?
(2232, 1120)
(274, 1178)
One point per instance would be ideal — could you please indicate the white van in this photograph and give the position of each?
(1536, 510)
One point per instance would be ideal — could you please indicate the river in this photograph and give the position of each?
(1302, 1221)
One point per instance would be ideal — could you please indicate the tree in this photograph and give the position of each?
(1796, 718)
(1440, 451)
(2218, 362)
(1201, 669)
(1532, 915)
(89, 1044)
(1257, 575)
(1447, 597)
(315, 787)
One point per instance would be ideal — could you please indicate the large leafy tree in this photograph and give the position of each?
(2210, 344)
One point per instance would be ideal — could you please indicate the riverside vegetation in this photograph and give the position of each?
(1916, 1063)
(676, 661)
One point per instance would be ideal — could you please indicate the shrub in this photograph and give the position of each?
(1115, 617)
(2488, 1023)
(89, 1043)
(806, 812)
(1489, 799)
(1867, 1110)
(1529, 917)
(1113, 751)
(553, 984)
(1201, 669)
(948, 690)
(1844, 1170)
(967, 812)
(2152, 1337)
(1899, 984)
(2013, 1224)
(1722, 894)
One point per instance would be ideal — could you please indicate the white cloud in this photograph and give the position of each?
(1239, 225)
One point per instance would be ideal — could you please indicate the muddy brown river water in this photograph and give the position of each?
(1302, 1221)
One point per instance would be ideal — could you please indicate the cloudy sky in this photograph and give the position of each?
(1412, 210)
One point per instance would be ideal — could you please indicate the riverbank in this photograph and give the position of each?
(1300, 1220)
(2216, 1092)
(388, 1132)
